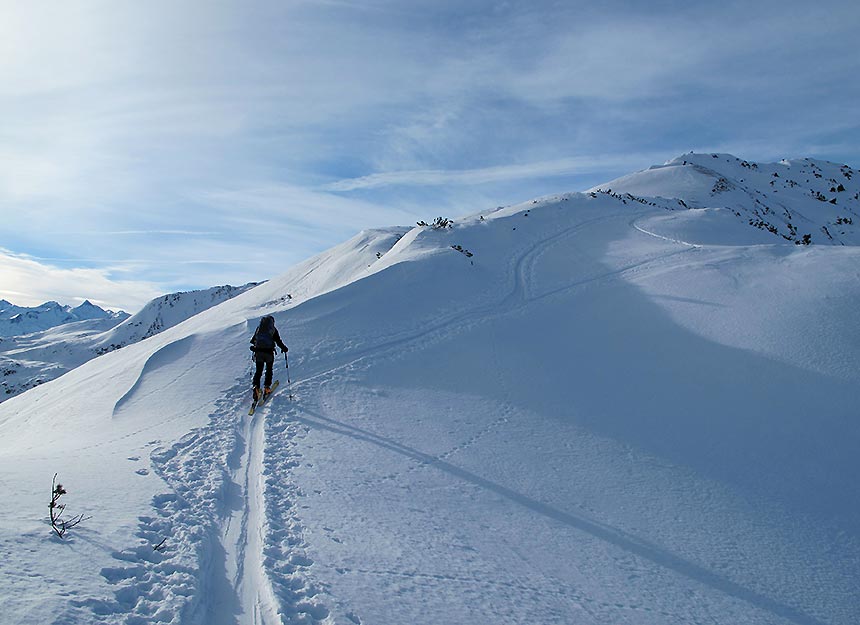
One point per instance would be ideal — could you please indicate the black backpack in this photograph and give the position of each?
(264, 337)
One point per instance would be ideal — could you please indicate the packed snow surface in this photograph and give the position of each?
(592, 408)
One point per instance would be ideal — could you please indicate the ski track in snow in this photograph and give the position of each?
(518, 295)
(660, 236)
(244, 533)
(223, 562)
(637, 555)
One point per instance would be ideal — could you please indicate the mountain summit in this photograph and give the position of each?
(629, 405)
(802, 201)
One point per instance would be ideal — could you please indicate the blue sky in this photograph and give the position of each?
(149, 147)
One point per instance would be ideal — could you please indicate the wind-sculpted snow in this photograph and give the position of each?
(616, 410)
(157, 372)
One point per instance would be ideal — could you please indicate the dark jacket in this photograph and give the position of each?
(267, 350)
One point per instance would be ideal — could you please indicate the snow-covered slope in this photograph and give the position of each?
(803, 201)
(33, 359)
(547, 413)
(18, 320)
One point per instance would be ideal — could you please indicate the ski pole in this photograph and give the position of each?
(289, 383)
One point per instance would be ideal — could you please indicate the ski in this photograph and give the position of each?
(262, 399)
(269, 394)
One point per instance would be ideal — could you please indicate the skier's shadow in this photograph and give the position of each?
(623, 540)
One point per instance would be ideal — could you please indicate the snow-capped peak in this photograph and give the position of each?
(20, 320)
(801, 201)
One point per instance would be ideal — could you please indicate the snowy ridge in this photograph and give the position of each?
(165, 312)
(603, 415)
(803, 201)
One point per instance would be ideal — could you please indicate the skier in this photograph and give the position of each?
(263, 345)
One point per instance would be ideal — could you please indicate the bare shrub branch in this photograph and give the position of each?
(58, 524)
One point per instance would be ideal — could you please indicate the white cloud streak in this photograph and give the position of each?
(178, 233)
(542, 169)
(296, 213)
(28, 282)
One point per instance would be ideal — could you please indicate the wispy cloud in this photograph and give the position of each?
(116, 264)
(541, 169)
(295, 214)
(177, 233)
(281, 128)
(29, 282)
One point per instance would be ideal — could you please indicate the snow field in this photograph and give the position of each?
(731, 576)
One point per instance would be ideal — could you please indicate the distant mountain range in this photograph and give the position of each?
(18, 320)
(54, 339)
